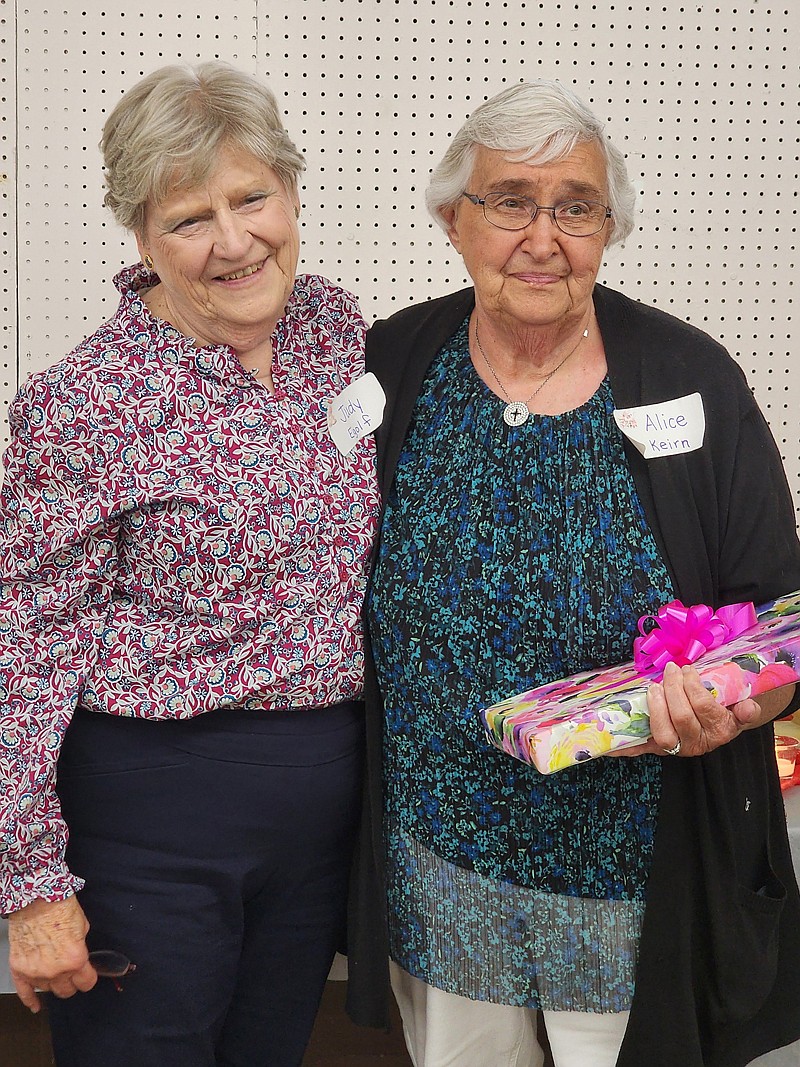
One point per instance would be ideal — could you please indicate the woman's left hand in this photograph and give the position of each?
(686, 720)
(47, 950)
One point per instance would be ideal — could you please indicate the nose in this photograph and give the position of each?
(542, 227)
(232, 236)
(542, 233)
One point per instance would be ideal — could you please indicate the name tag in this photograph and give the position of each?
(667, 429)
(355, 412)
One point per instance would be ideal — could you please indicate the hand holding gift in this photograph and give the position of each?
(741, 654)
(685, 718)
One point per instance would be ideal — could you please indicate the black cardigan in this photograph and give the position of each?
(718, 980)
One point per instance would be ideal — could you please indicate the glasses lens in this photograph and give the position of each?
(110, 964)
(507, 211)
(581, 217)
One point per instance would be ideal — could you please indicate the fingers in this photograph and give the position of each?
(27, 994)
(85, 979)
(62, 986)
(664, 733)
(687, 705)
(746, 712)
(683, 711)
(80, 981)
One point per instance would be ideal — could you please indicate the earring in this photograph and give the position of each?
(148, 262)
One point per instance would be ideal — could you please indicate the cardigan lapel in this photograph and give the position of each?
(401, 358)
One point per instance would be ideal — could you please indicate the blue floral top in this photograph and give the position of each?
(510, 556)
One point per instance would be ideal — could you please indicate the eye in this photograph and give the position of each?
(574, 209)
(189, 226)
(511, 203)
(254, 200)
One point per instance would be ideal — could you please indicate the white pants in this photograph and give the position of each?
(445, 1030)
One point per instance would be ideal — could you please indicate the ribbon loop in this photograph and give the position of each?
(677, 634)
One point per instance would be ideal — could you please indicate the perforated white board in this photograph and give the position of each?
(702, 97)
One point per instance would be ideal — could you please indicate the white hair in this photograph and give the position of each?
(533, 122)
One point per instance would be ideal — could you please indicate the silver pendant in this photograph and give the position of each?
(516, 412)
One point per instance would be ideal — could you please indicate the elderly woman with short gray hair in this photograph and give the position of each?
(183, 557)
(645, 906)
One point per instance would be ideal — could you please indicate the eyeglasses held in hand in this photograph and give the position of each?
(111, 964)
(508, 211)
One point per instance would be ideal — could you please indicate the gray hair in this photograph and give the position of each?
(538, 122)
(166, 132)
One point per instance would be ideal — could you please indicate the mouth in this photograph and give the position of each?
(536, 278)
(245, 272)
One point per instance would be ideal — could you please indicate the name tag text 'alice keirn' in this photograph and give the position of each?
(671, 428)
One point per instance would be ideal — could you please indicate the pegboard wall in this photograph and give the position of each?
(702, 97)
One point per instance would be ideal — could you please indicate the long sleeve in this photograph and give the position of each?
(57, 559)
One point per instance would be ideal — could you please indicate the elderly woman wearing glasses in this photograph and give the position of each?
(183, 556)
(645, 905)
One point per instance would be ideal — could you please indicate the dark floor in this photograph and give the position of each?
(336, 1042)
(24, 1038)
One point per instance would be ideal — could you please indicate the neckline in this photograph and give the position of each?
(460, 347)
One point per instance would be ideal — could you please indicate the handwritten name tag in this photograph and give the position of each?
(355, 412)
(667, 429)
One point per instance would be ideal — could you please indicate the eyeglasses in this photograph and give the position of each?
(110, 964)
(578, 218)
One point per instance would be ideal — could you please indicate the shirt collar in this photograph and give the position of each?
(168, 342)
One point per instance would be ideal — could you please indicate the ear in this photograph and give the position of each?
(294, 197)
(141, 246)
(450, 217)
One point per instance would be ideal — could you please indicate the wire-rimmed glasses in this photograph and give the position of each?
(509, 211)
(111, 964)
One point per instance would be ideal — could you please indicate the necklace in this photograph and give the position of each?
(516, 412)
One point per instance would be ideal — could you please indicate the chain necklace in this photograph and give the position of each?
(516, 412)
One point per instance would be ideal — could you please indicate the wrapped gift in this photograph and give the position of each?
(739, 652)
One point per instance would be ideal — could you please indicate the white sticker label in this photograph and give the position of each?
(355, 412)
(667, 429)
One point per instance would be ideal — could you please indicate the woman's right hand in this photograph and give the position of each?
(47, 941)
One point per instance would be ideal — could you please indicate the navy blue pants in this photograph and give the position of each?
(216, 853)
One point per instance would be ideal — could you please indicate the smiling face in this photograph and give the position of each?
(539, 276)
(225, 253)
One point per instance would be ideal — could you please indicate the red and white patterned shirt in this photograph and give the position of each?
(173, 539)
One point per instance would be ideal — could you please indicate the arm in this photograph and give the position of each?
(57, 557)
(759, 560)
(729, 524)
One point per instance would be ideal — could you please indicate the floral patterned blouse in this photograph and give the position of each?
(510, 556)
(173, 539)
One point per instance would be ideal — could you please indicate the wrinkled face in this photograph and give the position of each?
(538, 276)
(226, 252)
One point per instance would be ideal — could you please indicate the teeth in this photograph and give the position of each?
(241, 273)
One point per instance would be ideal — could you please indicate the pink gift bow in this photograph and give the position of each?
(682, 635)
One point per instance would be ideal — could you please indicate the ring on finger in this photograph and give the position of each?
(675, 750)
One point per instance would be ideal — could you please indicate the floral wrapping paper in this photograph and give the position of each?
(594, 712)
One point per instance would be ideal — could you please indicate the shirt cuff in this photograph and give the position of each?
(48, 884)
